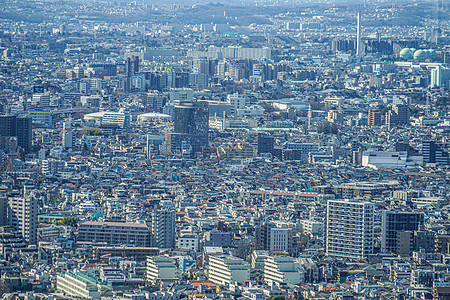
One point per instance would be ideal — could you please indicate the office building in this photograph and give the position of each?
(283, 269)
(23, 216)
(374, 118)
(24, 133)
(397, 229)
(349, 228)
(273, 238)
(160, 268)
(8, 125)
(19, 127)
(225, 270)
(41, 100)
(191, 124)
(114, 233)
(265, 143)
(434, 153)
(399, 115)
(163, 228)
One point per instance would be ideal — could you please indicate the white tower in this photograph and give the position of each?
(358, 35)
(67, 135)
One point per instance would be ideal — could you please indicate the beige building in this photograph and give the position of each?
(23, 215)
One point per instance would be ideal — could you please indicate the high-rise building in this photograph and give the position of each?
(24, 133)
(23, 216)
(67, 135)
(191, 124)
(358, 35)
(19, 127)
(374, 118)
(8, 125)
(394, 226)
(350, 228)
(440, 77)
(265, 143)
(163, 228)
(433, 152)
(399, 115)
(3, 206)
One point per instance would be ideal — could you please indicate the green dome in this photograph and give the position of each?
(420, 54)
(432, 52)
(406, 53)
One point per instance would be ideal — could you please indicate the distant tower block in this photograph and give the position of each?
(358, 35)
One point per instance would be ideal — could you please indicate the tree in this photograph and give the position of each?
(71, 221)
(85, 150)
(327, 128)
(4, 287)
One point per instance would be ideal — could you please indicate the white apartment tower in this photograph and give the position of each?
(350, 228)
(23, 215)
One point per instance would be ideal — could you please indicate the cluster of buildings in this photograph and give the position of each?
(216, 152)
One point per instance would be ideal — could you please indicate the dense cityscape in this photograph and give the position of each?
(265, 150)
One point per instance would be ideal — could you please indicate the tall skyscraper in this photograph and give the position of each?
(395, 225)
(358, 35)
(191, 124)
(163, 228)
(24, 133)
(350, 228)
(19, 127)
